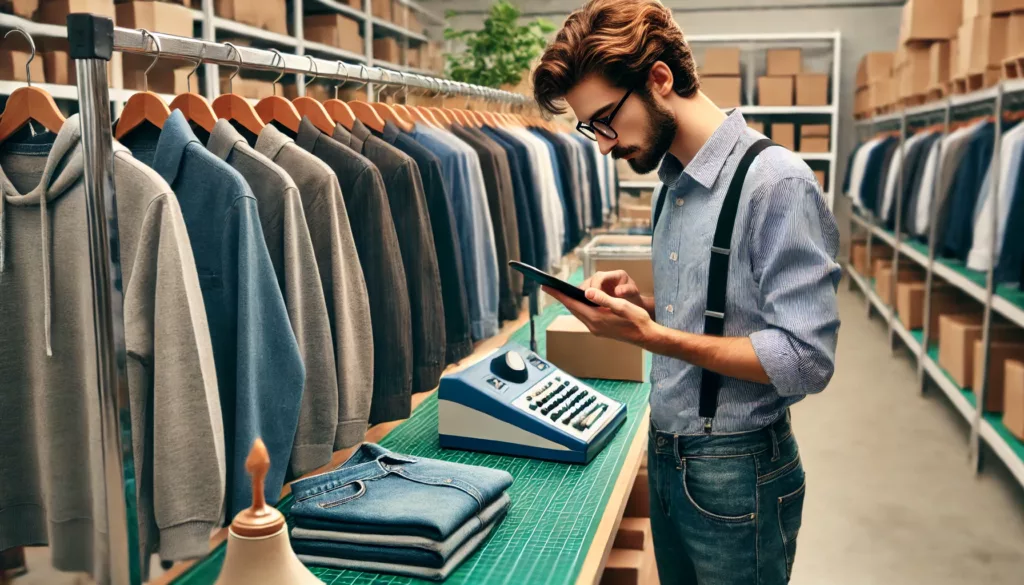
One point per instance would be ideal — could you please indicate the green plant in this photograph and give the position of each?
(499, 53)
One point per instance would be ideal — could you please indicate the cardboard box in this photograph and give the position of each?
(972, 8)
(957, 334)
(784, 62)
(881, 259)
(999, 353)
(721, 61)
(945, 301)
(756, 126)
(883, 282)
(57, 11)
(413, 57)
(1015, 35)
(774, 91)
(161, 80)
(1013, 398)
(387, 50)
(815, 131)
(335, 30)
(382, 9)
(929, 20)
(724, 91)
(915, 71)
(954, 59)
(23, 8)
(819, 175)
(572, 347)
(12, 66)
(248, 87)
(641, 271)
(812, 89)
(982, 44)
(156, 17)
(873, 67)
(814, 144)
(859, 256)
(269, 15)
(784, 135)
(639, 503)
(938, 63)
(635, 212)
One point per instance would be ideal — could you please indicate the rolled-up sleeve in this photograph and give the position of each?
(794, 245)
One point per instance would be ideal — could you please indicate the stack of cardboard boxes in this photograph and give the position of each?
(814, 137)
(720, 76)
(786, 83)
(925, 24)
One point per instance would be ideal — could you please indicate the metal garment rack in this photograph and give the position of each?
(92, 40)
(985, 428)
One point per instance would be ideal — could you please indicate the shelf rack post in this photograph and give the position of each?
(893, 274)
(210, 34)
(91, 42)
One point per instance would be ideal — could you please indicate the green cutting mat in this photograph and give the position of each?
(555, 507)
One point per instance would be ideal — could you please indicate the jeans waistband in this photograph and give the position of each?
(370, 461)
(745, 443)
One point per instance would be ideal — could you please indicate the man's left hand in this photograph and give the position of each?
(615, 318)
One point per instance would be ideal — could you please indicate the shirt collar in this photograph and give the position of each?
(174, 137)
(707, 164)
(308, 135)
(342, 135)
(360, 131)
(271, 141)
(223, 139)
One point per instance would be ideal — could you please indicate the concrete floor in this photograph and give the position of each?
(891, 496)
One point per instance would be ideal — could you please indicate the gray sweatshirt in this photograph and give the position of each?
(51, 486)
(291, 252)
(340, 274)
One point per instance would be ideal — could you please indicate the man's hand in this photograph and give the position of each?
(615, 318)
(618, 284)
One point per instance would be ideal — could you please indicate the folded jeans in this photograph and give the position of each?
(380, 492)
(387, 548)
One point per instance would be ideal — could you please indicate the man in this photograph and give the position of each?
(743, 322)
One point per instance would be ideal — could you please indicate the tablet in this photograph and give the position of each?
(541, 277)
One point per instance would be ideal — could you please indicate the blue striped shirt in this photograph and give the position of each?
(782, 280)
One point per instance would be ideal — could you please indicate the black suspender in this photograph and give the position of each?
(718, 274)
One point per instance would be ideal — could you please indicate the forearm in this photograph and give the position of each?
(647, 304)
(730, 356)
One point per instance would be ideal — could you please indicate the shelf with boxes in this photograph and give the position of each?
(786, 86)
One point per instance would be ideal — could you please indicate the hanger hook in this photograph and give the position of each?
(386, 84)
(404, 87)
(32, 48)
(316, 70)
(199, 61)
(156, 43)
(277, 55)
(364, 72)
(238, 67)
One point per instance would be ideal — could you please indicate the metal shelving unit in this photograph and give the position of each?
(213, 28)
(986, 428)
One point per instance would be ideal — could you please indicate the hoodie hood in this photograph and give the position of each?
(63, 169)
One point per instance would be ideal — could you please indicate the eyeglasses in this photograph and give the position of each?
(603, 125)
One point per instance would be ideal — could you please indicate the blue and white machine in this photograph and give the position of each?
(515, 403)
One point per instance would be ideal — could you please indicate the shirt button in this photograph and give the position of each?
(673, 256)
(669, 308)
(679, 202)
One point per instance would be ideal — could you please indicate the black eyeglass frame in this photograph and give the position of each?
(590, 131)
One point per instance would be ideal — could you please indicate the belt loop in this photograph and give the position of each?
(775, 443)
(678, 451)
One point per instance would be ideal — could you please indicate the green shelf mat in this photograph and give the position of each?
(555, 510)
(933, 352)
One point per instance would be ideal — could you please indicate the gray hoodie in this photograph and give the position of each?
(51, 483)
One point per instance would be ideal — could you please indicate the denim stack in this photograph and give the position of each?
(389, 513)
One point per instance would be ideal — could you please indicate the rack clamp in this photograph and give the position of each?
(90, 36)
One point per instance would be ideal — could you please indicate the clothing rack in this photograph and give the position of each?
(92, 40)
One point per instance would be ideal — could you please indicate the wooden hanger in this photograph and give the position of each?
(27, 104)
(390, 113)
(442, 115)
(313, 109)
(275, 108)
(364, 112)
(231, 106)
(193, 106)
(144, 106)
(339, 110)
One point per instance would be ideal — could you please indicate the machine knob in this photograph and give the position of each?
(510, 366)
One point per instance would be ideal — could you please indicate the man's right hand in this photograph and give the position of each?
(617, 283)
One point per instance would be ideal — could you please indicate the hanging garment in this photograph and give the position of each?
(876, 182)
(248, 320)
(341, 279)
(547, 187)
(366, 206)
(1011, 255)
(957, 224)
(291, 254)
(872, 170)
(919, 182)
(52, 489)
(849, 168)
(473, 222)
(889, 191)
(860, 161)
(416, 241)
(458, 341)
(949, 152)
(498, 186)
(564, 189)
(982, 254)
(524, 217)
(570, 162)
(532, 199)
(595, 200)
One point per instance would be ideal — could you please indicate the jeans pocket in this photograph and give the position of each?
(346, 497)
(791, 509)
(723, 489)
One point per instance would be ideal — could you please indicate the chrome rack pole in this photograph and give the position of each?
(91, 40)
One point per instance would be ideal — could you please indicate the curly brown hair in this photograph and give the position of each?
(620, 40)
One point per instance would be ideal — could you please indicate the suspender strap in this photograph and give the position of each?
(658, 207)
(718, 277)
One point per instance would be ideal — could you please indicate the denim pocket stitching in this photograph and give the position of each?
(761, 480)
(336, 485)
(711, 515)
(782, 532)
(347, 499)
(443, 482)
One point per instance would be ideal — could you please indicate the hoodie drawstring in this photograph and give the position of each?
(47, 261)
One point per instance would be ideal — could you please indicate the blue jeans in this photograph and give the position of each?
(726, 509)
(380, 492)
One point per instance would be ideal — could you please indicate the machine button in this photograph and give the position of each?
(510, 366)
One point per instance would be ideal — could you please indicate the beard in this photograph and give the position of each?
(661, 130)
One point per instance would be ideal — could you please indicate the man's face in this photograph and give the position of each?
(645, 128)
